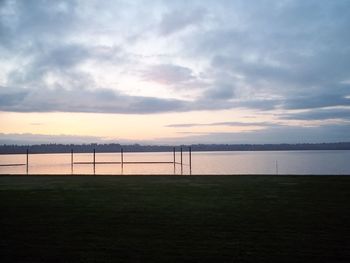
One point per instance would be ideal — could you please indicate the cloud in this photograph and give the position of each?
(71, 56)
(99, 100)
(274, 134)
(177, 20)
(227, 123)
(220, 92)
(61, 57)
(30, 139)
(320, 114)
(11, 97)
(21, 21)
(59, 61)
(309, 101)
(83, 100)
(167, 74)
(316, 102)
(293, 50)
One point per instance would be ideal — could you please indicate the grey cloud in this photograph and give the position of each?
(274, 134)
(113, 54)
(83, 100)
(33, 19)
(188, 132)
(177, 20)
(247, 124)
(220, 92)
(101, 100)
(185, 125)
(309, 102)
(63, 61)
(30, 139)
(167, 74)
(253, 70)
(318, 97)
(62, 56)
(296, 51)
(320, 114)
(11, 97)
(228, 123)
(211, 104)
(260, 104)
(301, 87)
(45, 60)
(287, 49)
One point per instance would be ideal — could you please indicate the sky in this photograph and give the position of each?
(174, 72)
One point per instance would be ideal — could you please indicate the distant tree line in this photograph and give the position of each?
(114, 147)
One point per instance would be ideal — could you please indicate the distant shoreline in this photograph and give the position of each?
(106, 148)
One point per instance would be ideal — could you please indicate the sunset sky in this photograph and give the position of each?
(171, 72)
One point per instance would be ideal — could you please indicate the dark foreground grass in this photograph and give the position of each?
(175, 219)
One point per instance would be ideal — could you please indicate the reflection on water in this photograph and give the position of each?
(264, 162)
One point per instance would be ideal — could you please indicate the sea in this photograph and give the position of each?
(327, 162)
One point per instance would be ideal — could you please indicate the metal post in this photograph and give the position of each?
(94, 161)
(122, 156)
(27, 166)
(181, 159)
(174, 160)
(71, 160)
(190, 158)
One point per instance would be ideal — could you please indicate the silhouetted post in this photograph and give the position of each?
(94, 161)
(122, 156)
(181, 158)
(174, 160)
(27, 166)
(71, 160)
(190, 158)
(181, 155)
(276, 167)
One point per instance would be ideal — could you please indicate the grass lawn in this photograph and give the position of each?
(174, 219)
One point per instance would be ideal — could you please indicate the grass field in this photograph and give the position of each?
(175, 219)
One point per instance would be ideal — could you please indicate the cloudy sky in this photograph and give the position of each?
(170, 72)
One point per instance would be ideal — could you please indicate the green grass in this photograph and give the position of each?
(175, 219)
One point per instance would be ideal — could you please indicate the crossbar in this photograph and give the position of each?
(119, 162)
(13, 164)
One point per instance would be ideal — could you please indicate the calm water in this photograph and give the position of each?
(269, 162)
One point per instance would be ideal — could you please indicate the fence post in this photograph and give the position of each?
(27, 166)
(122, 156)
(190, 158)
(94, 161)
(71, 160)
(181, 159)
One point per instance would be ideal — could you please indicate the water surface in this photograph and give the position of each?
(232, 162)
